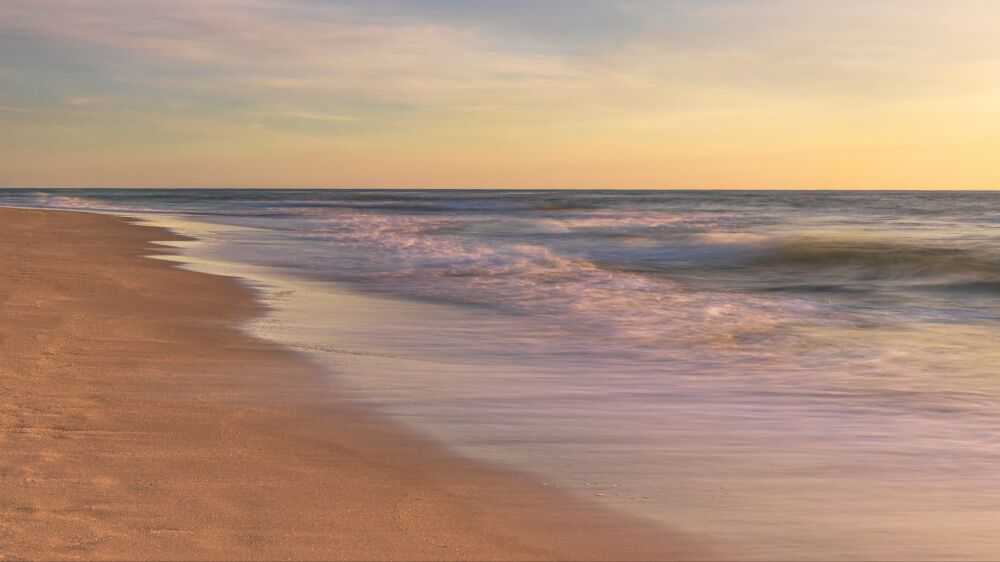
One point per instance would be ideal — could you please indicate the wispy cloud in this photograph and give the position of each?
(615, 82)
(83, 101)
(10, 109)
(312, 116)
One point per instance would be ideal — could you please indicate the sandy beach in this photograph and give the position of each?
(138, 422)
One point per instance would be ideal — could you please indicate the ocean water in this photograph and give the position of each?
(788, 375)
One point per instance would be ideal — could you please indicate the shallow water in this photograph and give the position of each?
(792, 375)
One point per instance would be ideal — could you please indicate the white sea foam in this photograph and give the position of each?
(53, 201)
(631, 310)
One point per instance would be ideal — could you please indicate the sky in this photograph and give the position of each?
(806, 94)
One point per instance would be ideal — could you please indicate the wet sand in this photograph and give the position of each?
(138, 422)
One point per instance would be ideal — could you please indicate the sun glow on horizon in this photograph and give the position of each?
(557, 93)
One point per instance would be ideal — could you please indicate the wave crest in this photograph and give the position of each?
(875, 260)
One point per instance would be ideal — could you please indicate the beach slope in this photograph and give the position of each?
(138, 422)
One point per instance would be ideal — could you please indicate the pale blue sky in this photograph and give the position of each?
(641, 93)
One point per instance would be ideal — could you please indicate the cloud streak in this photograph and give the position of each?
(642, 88)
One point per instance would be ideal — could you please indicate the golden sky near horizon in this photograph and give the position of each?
(515, 93)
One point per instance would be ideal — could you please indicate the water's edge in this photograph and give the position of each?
(806, 381)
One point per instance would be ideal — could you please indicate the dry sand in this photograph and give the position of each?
(137, 422)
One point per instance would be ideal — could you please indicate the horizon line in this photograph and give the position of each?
(288, 188)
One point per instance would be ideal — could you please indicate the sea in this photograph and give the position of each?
(805, 375)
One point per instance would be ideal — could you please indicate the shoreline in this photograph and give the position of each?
(139, 421)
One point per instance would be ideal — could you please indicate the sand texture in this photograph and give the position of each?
(137, 422)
